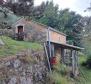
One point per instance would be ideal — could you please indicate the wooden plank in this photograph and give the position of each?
(52, 50)
(49, 65)
(62, 55)
(73, 62)
(49, 43)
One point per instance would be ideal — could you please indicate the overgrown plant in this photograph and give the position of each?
(62, 69)
(57, 78)
(59, 74)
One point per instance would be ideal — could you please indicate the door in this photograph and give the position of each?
(20, 33)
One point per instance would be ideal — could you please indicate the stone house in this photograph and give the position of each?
(56, 43)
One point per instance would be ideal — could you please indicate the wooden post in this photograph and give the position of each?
(49, 42)
(49, 65)
(73, 62)
(52, 50)
(62, 55)
(76, 61)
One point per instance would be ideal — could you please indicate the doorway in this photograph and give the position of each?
(20, 30)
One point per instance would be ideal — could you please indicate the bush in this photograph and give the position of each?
(58, 78)
(62, 69)
(88, 62)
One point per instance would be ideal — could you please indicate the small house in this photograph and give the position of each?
(55, 41)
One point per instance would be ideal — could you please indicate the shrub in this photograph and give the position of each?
(58, 78)
(88, 62)
(62, 69)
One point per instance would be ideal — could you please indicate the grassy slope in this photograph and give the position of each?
(12, 46)
(85, 77)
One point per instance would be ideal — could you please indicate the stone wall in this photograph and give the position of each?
(27, 67)
(33, 34)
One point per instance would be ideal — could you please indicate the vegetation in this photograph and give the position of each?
(58, 78)
(22, 7)
(61, 75)
(85, 73)
(49, 14)
(87, 40)
(12, 47)
(63, 20)
(77, 28)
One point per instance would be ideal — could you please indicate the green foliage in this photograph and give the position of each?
(58, 78)
(87, 39)
(12, 47)
(21, 7)
(83, 78)
(62, 69)
(85, 73)
(64, 21)
(49, 14)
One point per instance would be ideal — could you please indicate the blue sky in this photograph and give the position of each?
(75, 5)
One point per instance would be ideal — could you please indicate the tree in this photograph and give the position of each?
(73, 28)
(64, 21)
(50, 15)
(38, 11)
(87, 32)
(1, 2)
(21, 7)
(87, 39)
(5, 11)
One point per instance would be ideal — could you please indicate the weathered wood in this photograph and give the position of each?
(73, 62)
(49, 43)
(52, 50)
(76, 61)
(62, 55)
(49, 65)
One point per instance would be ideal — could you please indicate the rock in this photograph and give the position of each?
(16, 71)
(13, 80)
(1, 43)
(16, 63)
(24, 80)
(29, 81)
(7, 63)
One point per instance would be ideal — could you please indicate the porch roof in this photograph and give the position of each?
(68, 46)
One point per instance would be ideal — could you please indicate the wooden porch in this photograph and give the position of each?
(66, 54)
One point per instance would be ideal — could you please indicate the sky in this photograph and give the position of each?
(74, 5)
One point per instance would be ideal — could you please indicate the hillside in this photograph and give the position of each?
(12, 47)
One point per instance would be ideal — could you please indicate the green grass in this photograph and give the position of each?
(83, 78)
(85, 73)
(58, 78)
(11, 46)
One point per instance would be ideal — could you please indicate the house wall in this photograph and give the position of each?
(58, 54)
(35, 31)
(56, 37)
(20, 22)
(38, 32)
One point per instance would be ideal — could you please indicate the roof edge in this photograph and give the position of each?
(49, 27)
(69, 46)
